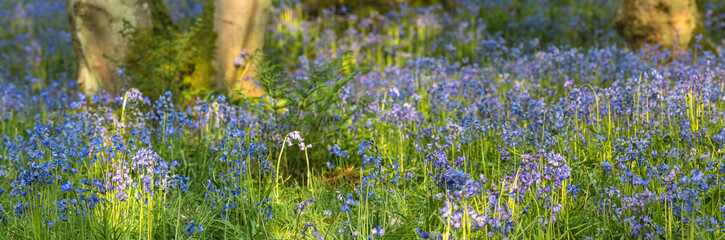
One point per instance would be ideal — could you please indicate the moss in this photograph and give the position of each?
(163, 58)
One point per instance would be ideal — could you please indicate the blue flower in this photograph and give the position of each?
(67, 186)
(377, 230)
(192, 227)
(606, 166)
(335, 150)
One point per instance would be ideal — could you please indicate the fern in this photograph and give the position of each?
(164, 59)
(310, 104)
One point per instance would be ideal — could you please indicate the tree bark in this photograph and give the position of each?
(672, 24)
(96, 27)
(240, 25)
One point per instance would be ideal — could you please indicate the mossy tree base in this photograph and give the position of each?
(670, 23)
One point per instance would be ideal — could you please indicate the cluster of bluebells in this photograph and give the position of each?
(645, 127)
(428, 235)
(309, 226)
(335, 150)
(542, 173)
(239, 158)
(380, 174)
(460, 184)
(347, 202)
(60, 153)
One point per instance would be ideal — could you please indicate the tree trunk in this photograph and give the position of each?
(672, 24)
(96, 27)
(240, 25)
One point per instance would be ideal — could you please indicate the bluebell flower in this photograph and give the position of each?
(335, 150)
(377, 230)
(67, 186)
(606, 166)
(192, 227)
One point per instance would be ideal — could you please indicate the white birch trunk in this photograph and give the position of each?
(95, 30)
(240, 25)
